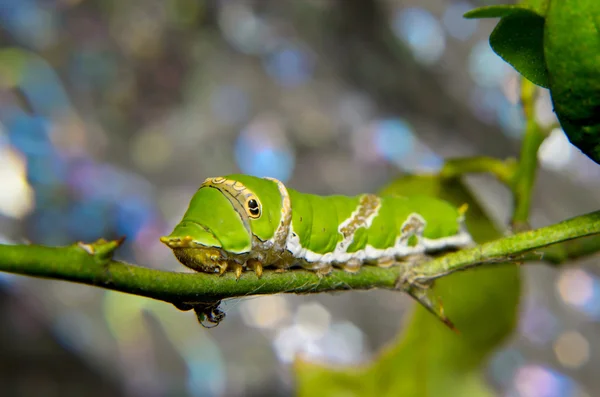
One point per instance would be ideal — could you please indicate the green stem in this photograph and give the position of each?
(568, 251)
(75, 264)
(513, 248)
(504, 170)
(524, 180)
(92, 265)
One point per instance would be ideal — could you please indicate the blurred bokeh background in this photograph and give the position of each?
(112, 112)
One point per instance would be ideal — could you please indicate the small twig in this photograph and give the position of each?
(512, 248)
(504, 170)
(566, 252)
(525, 176)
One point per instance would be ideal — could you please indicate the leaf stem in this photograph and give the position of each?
(504, 170)
(524, 179)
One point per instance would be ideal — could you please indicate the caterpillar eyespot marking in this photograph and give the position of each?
(239, 223)
(253, 207)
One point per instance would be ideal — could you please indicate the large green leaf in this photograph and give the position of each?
(498, 11)
(519, 40)
(503, 10)
(429, 359)
(519, 36)
(572, 53)
(539, 6)
(556, 44)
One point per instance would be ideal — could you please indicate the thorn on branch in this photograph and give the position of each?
(102, 249)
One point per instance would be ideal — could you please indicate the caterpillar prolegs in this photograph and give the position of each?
(240, 222)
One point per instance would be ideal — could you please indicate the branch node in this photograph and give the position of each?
(423, 293)
(102, 249)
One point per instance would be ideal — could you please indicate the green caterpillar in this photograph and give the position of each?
(241, 222)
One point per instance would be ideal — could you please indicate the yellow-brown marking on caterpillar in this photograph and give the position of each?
(217, 180)
(367, 207)
(232, 190)
(281, 233)
(413, 226)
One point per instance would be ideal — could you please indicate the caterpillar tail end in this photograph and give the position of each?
(432, 303)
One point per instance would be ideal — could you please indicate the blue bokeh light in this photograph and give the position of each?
(262, 150)
(454, 22)
(538, 381)
(46, 170)
(28, 134)
(511, 118)
(88, 219)
(42, 87)
(538, 323)
(29, 21)
(290, 65)
(132, 213)
(591, 307)
(504, 365)
(422, 32)
(486, 68)
(271, 162)
(484, 103)
(49, 225)
(393, 138)
(205, 377)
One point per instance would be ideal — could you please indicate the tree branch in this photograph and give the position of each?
(92, 264)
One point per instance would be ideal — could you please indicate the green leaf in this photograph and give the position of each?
(428, 359)
(519, 40)
(537, 7)
(519, 36)
(498, 11)
(572, 53)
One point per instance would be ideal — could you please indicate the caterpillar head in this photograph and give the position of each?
(223, 217)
